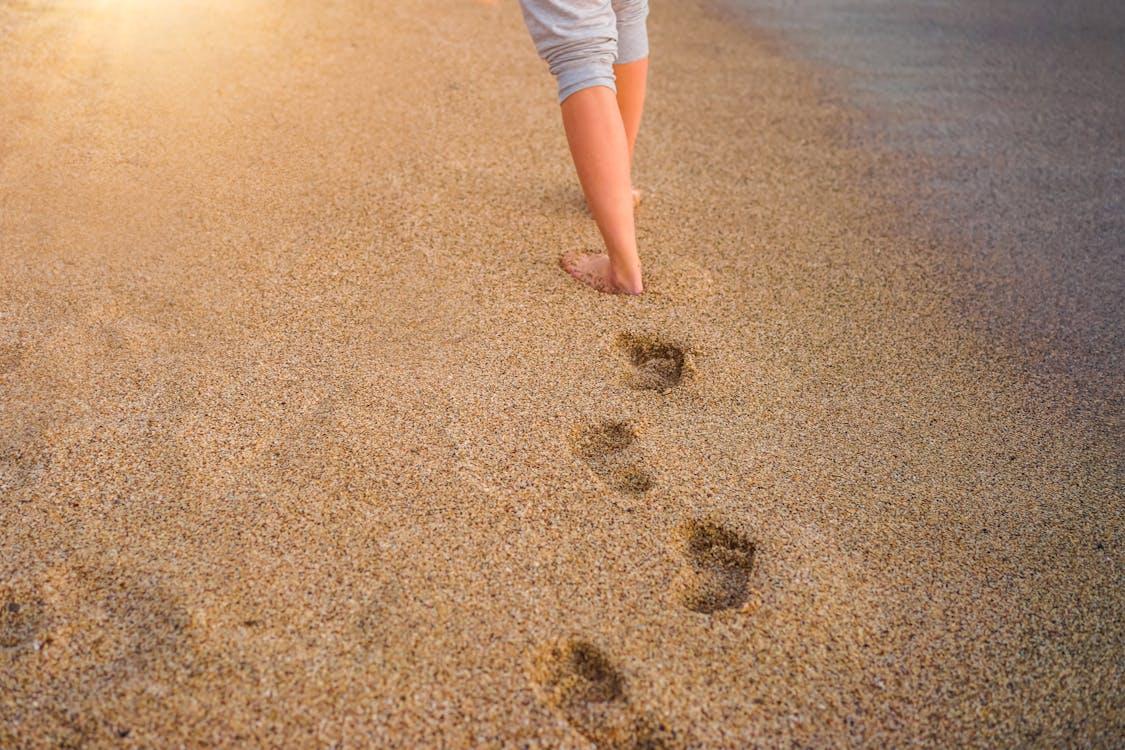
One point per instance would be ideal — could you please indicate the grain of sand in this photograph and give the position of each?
(306, 441)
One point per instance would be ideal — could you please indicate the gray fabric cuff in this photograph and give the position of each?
(632, 41)
(583, 74)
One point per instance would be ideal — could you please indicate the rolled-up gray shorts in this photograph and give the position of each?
(582, 40)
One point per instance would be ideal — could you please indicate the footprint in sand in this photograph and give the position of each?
(21, 615)
(656, 365)
(717, 573)
(11, 355)
(580, 683)
(607, 448)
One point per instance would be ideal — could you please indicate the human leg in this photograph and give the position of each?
(578, 40)
(631, 68)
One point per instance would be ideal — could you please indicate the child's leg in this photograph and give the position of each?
(601, 157)
(631, 68)
(578, 39)
(631, 80)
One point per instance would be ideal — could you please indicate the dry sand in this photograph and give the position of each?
(306, 441)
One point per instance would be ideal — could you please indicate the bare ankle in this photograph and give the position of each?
(629, 282)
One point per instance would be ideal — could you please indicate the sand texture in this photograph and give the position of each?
(306, 441)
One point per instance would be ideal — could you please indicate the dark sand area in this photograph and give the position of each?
(305, 440)
(1005, 121)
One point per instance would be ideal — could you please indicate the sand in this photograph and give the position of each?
(1015, 107)
(306, 441)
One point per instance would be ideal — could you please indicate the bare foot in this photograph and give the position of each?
(595, 271)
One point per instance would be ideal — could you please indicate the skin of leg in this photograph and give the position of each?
(632, 80)
(600, 149)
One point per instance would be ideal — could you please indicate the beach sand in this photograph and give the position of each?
(306, 441)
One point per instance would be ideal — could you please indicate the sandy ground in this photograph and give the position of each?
(1015, 107)
(306, 440)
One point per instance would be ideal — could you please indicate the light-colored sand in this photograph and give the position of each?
(306, 441)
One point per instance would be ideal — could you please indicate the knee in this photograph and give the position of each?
(579, 43)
